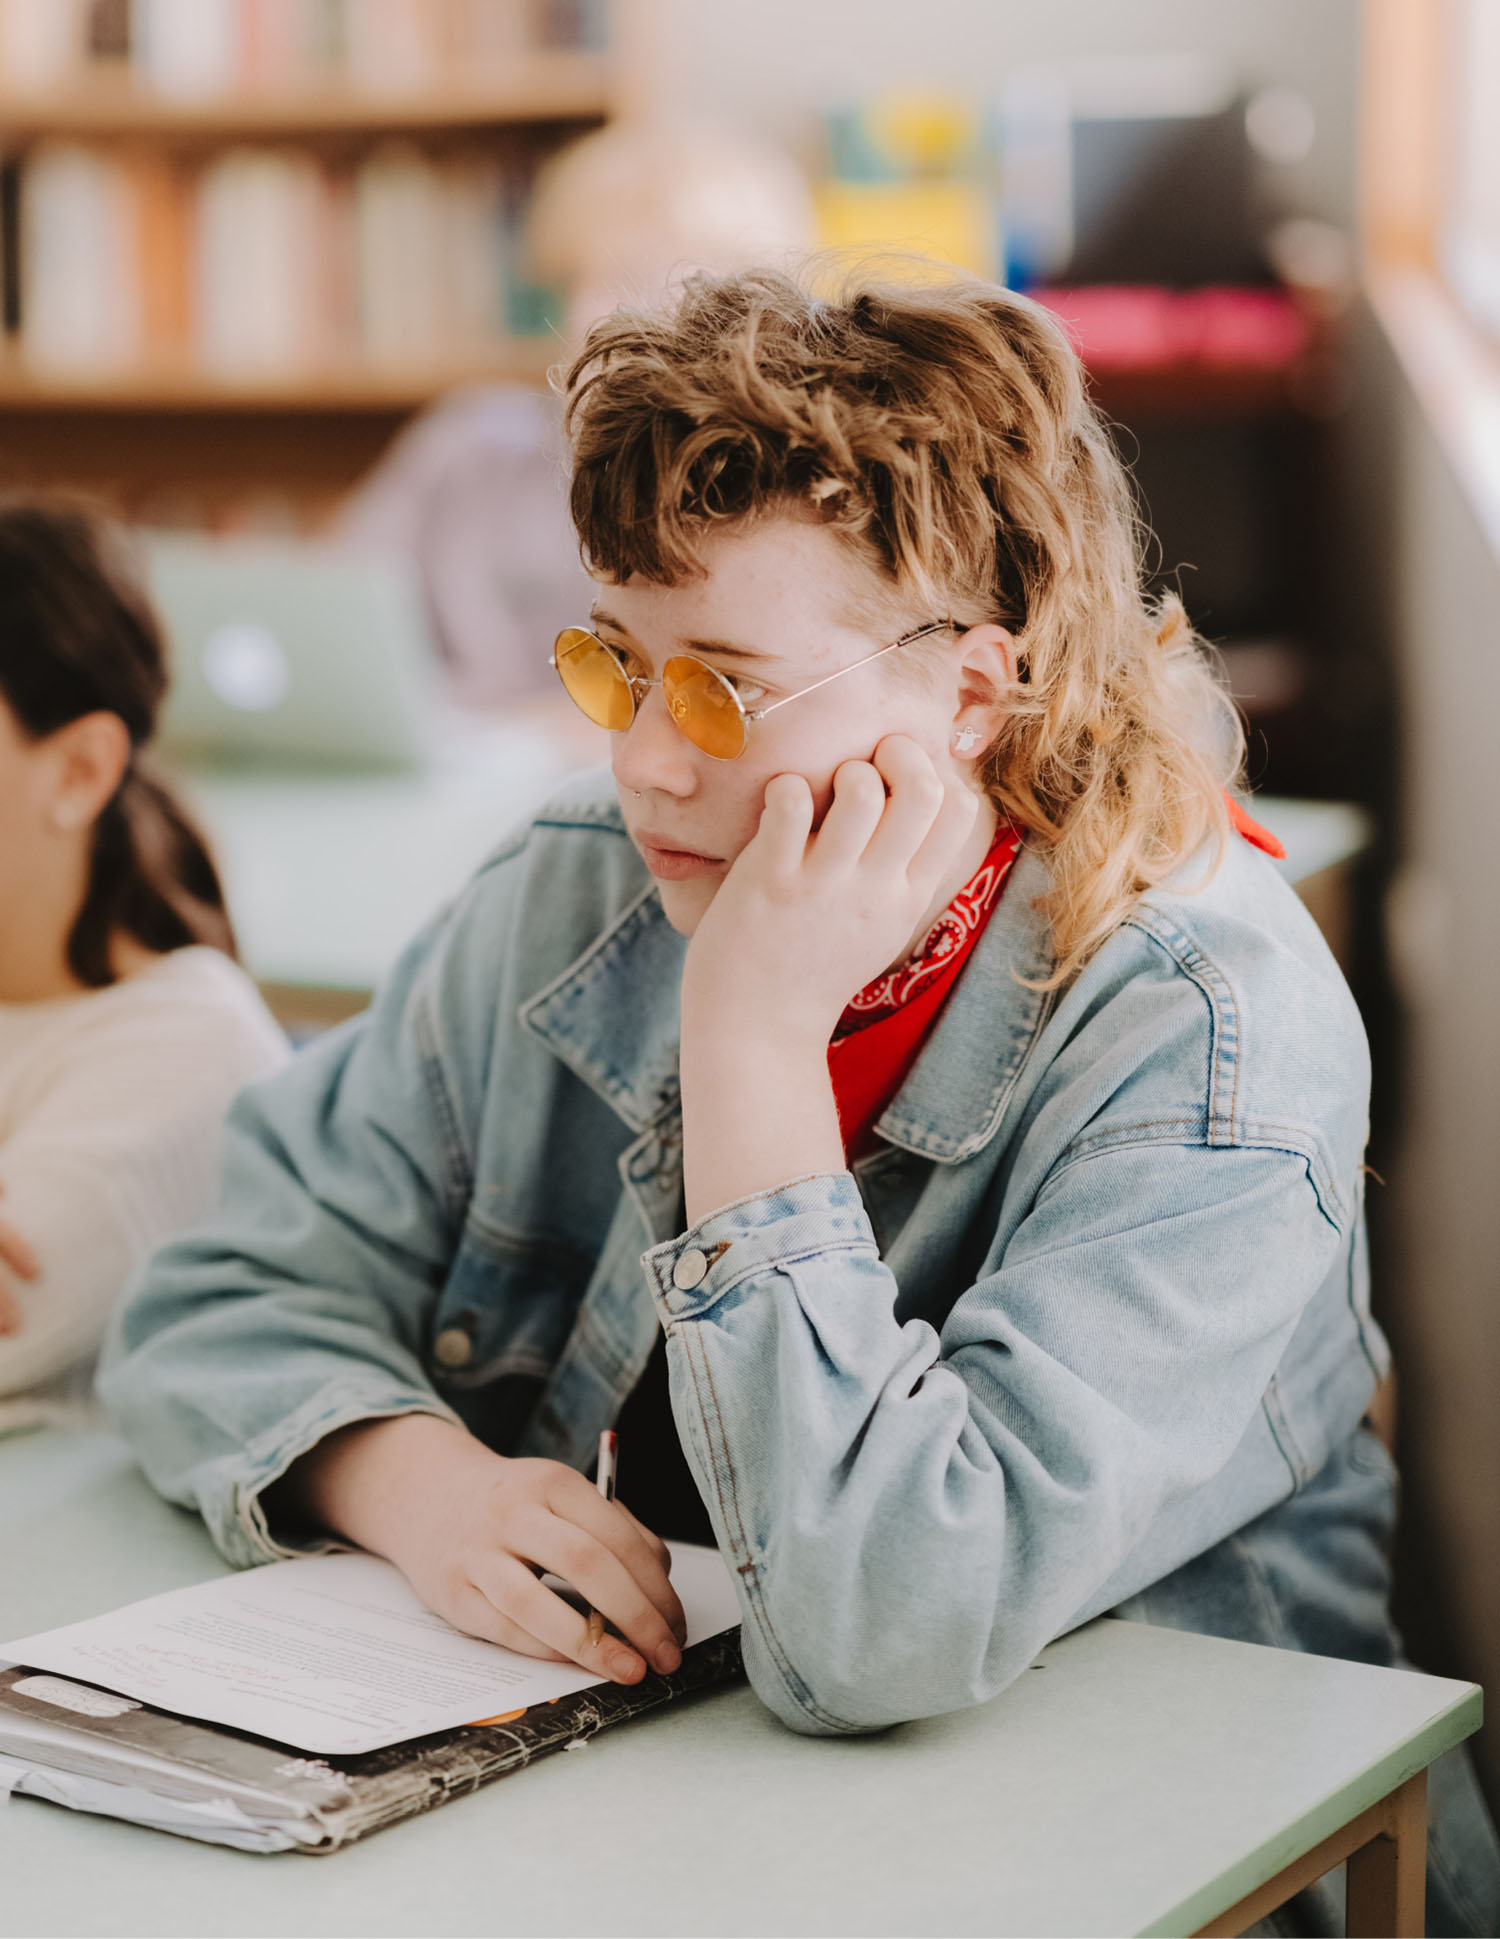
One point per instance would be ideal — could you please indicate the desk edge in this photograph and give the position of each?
(1458, 1720)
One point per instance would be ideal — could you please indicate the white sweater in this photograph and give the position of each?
(110, 1108)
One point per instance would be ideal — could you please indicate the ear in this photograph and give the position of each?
(987, 675)
(88, 761)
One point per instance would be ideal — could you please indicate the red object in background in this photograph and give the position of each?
(1127, 326)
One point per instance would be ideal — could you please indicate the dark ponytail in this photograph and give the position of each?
(78, 636)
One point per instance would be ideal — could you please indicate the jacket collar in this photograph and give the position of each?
(612, 1015)
(613, 1018)
(956, 1093)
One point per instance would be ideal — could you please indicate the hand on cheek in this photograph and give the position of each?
(804, 919)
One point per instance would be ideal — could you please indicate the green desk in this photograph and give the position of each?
(328, 876)
(1134, 1780)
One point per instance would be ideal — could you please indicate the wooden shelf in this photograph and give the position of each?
(1310, 386)
(350, 387)
(536, 87)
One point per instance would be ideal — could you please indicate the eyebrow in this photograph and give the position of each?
(723, 649)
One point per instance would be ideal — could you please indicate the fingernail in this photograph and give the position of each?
(668, 1657)
(621, 1664)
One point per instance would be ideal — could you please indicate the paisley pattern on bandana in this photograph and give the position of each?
(949, 937)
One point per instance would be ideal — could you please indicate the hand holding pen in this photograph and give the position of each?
(515, 1549)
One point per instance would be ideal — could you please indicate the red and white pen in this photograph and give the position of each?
(609, 1451)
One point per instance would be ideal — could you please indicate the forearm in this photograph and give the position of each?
(368, 1478)
(978, 1488)
(755, 1113)
(863, 1489)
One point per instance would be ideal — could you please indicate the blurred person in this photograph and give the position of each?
(902, 1095)
(125, 1023)
(475, 490)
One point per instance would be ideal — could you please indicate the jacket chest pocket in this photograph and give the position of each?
(505, 1311)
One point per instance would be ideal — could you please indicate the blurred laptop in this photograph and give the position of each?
(288, 654)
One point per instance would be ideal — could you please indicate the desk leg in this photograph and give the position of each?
(1388, 1876)
(1386, 1850)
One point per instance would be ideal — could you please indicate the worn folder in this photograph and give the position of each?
(88, 1749)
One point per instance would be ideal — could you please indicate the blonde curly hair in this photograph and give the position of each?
(945, 433)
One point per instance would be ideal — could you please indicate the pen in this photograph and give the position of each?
(609, 1452)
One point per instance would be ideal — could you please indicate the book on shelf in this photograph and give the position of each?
(259, 304)
(42, 43)
(107, 29)
(10, 248)
(187, 50)
(259, 261)
(395, 46)
(429, 245)
(81, 300)
(304, 1705)
(163, 224)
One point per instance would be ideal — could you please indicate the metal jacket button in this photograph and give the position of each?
(689, 1269)
(453, 1347)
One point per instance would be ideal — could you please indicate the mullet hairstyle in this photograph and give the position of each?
(946, 436)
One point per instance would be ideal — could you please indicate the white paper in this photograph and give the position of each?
(330, 1653)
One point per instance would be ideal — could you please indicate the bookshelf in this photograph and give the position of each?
(396, 272)
(537, 87)
(177, 384)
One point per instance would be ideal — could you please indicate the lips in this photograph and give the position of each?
(672, 864)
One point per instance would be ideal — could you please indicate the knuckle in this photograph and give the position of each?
(575, 1555)
(452, 1590)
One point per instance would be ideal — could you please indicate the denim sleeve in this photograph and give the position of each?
(911, 1515)
(300, 1305)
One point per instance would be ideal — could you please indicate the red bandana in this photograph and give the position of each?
(886, 1024)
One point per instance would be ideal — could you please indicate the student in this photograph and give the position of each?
(984, 1109)
(125, 1025)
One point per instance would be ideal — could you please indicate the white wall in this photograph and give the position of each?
(769, 66)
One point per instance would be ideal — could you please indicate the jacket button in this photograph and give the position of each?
(453, 1347)
(689, 1269)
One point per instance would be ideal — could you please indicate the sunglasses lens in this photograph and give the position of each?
(594, 678)
(704, 707)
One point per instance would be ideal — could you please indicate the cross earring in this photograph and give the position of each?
(964, 739)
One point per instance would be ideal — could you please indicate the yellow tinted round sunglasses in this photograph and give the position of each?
(701, 700)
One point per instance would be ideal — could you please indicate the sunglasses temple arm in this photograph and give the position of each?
(907, 639)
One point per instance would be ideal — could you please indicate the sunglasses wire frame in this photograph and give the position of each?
(700, 699)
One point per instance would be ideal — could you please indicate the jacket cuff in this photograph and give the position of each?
(230, 1497)
(820, 1213)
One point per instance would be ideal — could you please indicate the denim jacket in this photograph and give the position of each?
(1097, 1300)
